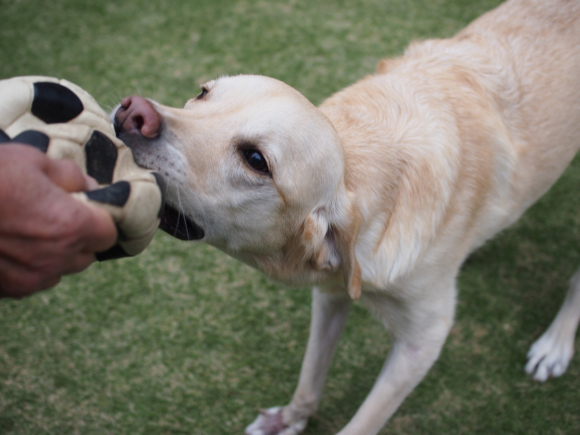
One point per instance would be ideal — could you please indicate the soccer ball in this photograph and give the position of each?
(65, 122)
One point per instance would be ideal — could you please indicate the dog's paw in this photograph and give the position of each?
(549, 356)
(270, 422)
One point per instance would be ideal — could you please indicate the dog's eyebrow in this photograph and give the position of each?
(242, 142)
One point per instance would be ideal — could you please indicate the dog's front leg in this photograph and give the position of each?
(419, 327)
(329, 315)
(550, 354)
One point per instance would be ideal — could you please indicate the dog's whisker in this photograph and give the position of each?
(114, 98)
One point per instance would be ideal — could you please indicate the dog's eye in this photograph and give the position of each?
(256, 161)
(203, 93)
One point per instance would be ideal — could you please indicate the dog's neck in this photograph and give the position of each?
(406, 160)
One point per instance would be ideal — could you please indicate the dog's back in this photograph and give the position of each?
(540, 42)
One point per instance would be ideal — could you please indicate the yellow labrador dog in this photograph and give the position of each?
(381, 192)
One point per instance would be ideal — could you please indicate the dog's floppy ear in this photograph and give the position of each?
(346, 243)
(328, 246)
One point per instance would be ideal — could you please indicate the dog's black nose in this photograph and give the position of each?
(137, 116)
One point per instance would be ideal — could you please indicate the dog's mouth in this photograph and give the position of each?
(129, 119)
(178, 225)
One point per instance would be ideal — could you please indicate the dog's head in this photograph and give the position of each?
(253, 168)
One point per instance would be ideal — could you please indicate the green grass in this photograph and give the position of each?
(184, 340)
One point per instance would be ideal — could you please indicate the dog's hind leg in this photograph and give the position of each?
(329, 315)
(550, 354)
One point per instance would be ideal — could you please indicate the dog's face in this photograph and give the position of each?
(254, 166)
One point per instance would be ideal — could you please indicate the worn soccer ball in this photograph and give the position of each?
(65, 122)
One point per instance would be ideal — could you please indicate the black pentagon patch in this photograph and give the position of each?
(101, 157)
(112, 254)
(4, 137)
(54, 103)
(163, 188)
(34, 138)
(116, 194)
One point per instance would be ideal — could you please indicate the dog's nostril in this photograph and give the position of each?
(138, 122)
(138, 115)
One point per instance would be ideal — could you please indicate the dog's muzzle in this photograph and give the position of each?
(137, 122)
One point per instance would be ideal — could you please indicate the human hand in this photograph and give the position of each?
(66, 123)
(44, 232)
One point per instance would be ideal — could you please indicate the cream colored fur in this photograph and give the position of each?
(384, 190)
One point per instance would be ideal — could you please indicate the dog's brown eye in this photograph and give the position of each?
(256, 160)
